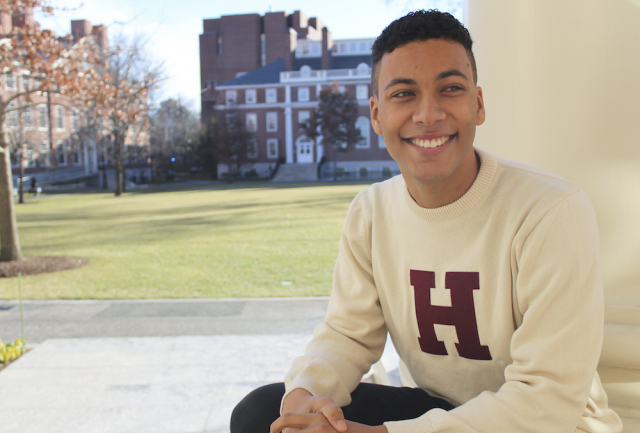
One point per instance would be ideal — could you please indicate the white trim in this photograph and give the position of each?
(58, 108)
(275, 142)
(275, 129)
(366, 134)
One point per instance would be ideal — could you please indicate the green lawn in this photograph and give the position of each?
(213, 241)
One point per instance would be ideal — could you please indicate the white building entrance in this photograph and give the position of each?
(305, 150)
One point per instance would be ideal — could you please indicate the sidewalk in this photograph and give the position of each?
(176, 366)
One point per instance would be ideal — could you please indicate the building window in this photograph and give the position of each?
(342, 89)
(362, 91)
(252, 122)
(381, 144)
(272, 122)
(219, 45)
(352, 47)
(252, 149)
(76, 158)
(231, 97)
(305, 71)
(272, 148)
(12, 116)
(27, 117)
(10, 82)
(42, 117)
(363, 69)
(250, 96)
(62, 156)
(364, 172)
(363, 125)
(315, 49)
(303, 94)
(303, 116)
(272, 96)
(75, 121)
(25, 83)
(60, 117)
(363, 47)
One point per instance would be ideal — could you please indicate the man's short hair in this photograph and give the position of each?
(416, 26)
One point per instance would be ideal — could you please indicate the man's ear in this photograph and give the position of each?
(375, 121)
(480, 115)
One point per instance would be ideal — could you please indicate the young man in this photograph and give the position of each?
(505, 255)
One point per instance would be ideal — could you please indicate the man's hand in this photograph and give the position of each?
(316, 422)
(304, 412)
(300, 401)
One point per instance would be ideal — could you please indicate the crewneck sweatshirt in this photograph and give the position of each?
(494, 302)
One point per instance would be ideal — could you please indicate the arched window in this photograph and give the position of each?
(305, 71)
(363, 69)
(363, 125)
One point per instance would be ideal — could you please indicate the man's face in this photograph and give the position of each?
(427, 109)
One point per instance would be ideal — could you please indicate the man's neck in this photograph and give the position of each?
(437, 194)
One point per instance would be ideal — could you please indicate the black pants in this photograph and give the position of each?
(371, 404)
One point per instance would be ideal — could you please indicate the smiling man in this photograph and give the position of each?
(484, 272)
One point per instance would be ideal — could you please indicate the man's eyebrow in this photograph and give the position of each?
(395, 81)
(451, 73)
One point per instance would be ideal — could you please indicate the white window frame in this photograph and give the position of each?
(302, 116)
(27, 113)
(77, 153)
(43, 113)
(25, 83)
(366, 133)
(59, 117)
(10, 82)
(75, 121)
(381, 143)
(253, 116)
(275, 123)
(271, 95)
(362, 92)
(272, 142)
(61, 150)
(301, 94)
(231, 97)
(12, 116)
(250, 96)
(252, 144)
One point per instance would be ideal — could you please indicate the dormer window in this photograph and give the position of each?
(305, 71)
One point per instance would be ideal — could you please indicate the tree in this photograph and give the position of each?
(335, 120)
(46, 64)
(174, 131)
(226, 140)
(123, 104)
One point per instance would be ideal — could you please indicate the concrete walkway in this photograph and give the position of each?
(175, 366)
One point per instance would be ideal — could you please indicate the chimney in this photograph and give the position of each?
(327, 45)
(80, 28)
(6, 25)
(100, 35)
(290, 49)
(21, 19)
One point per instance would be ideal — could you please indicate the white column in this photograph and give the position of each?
(561, 89)
(288, 125)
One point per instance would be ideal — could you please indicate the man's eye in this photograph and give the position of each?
(403, 94)
(452, 88)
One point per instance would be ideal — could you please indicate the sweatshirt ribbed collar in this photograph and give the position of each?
(479, 189)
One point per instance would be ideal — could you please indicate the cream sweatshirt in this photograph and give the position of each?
(494, 302)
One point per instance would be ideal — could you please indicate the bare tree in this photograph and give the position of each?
(123, 106)
(48, 65)
(335, 120)
(174, 132)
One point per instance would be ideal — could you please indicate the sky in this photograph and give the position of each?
(171, 27)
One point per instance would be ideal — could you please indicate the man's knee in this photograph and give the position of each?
(258, 410)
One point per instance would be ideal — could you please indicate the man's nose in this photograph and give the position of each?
(428, 111)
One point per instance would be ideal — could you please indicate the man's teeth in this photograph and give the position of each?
(430, 143)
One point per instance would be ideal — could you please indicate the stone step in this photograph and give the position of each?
(297, 173)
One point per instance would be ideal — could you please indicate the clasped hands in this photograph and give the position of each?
(302, 412)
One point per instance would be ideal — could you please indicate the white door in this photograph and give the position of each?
(305, 150)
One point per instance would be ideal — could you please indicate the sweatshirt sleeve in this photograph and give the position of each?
(556, 348)
(353, 334)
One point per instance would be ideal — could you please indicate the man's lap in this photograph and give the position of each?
(371, 404)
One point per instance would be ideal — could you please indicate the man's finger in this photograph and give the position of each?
(297, 421)
(332, 412)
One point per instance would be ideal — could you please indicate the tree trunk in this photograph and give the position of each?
(21, 190)
(9, 243)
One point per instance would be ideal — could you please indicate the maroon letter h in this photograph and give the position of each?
(461, 313)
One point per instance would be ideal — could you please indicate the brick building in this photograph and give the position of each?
(270, 70)
(48, 122)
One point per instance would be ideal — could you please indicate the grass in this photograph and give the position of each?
(209, 241)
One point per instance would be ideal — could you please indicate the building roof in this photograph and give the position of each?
(349, 62)
(269, 73)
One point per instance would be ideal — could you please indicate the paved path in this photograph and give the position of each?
(176, 365)
(160, 318)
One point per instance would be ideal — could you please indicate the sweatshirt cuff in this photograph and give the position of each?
(417, 425)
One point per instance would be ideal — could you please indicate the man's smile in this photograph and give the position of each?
(429, 143)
